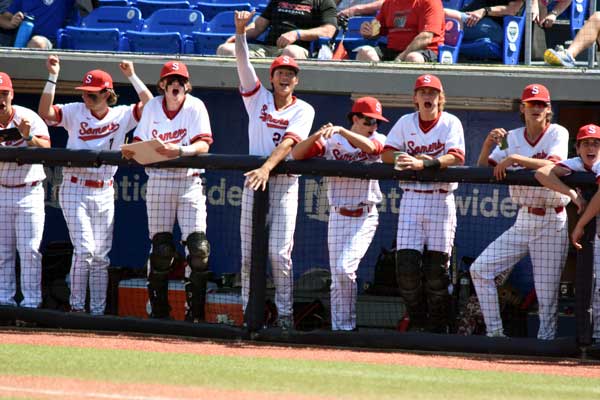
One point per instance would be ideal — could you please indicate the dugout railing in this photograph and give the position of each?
(569, 342)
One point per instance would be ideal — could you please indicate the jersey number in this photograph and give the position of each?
(276, 138)
(110, 143)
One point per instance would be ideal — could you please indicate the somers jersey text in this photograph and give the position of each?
(445, 137)
(350, 191)
(88, 132)
(11, 173)
(268, 126)
(551, 145)
(190, 124)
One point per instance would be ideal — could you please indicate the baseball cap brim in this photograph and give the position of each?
(90, 88)
(588, 136)
(6, 88)
(174, 73)
(537, 98)
(376, 116)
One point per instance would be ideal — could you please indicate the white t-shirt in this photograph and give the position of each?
(445, 137)
(551, 145)
(341, 191)
(190, 124)
(268, 126)
(11, 173)
(89, 132)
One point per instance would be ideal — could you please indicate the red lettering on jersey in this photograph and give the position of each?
(87, 133)
(360, 156)
(277, 123)
(170, 137)
(432, 149)
(541, 155)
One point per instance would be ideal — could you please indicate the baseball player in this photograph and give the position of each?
(181, 122)
(588, 160)
(277, 122)
(541, 226)
(429, 138)
(353, 216)
(87, 195)
(21, 203)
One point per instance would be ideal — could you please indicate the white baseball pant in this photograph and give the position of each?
(22, 225)
(545, 238)
(281, 222)
(426, 218)
(89, 213)
(596, 287)
(349, 238)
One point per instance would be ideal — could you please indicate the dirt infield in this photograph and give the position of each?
(79, 389)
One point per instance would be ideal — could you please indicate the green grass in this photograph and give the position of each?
(334, 379)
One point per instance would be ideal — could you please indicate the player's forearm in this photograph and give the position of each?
(549, 179)
(302, 149)
(530, 163)
(39, 142)
(484, 155)
(592, 209)
(388, 157)
(245, 69)
(280, 153)
(448, 160)
(356, 140)
(200, 146)
(45, 109)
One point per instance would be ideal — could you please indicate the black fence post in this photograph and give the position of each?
(583, 285)
(254, 315)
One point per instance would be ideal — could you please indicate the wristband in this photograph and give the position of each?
(488, 11)
(50, 83)
(187, 151)
(137, 84)
(432, 164)
(554, 12)
(297, 34)
(29, 138)
(53, 77)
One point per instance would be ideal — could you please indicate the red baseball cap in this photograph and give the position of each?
(369, 107)
(284, 61)
(430, 81)
(95, 81)
(174, 68)
(535, 92)
(5, 82)
(589, 131)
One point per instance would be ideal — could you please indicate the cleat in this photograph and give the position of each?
(497, 334)
(285, 322)
(559, 57)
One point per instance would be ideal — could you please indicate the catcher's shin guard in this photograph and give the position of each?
(436, 289)
(409, 277)
(161, 260)
(195, 284)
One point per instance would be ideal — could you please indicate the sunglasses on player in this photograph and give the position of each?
(536, 104)
(94, 95)
(176, 78)
(369, 121)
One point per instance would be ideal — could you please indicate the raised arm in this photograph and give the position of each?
(45, 109)
(143, 92)
(245, 70)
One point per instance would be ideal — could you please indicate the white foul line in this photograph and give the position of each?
(64, 393)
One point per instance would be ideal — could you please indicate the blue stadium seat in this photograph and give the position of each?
(352, 38)
(97, 39)
(153, 42)
(448, 52)
(121, 18)
(147, 7)
(579, 12)
(174, 20)
(117, 3)
(210, 10)
(514, 31)
(205, 43)
(221, 23)
(453, 4)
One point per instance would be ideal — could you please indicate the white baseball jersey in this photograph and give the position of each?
(190, 124)
(10, 173)
(91, 132)
(268, 126)
(445, 137)
(350, 191)
(551, 145)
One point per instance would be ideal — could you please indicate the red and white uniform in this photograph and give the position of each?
(175, 193)
(22, 217)
(267, 127)
(87, 197)
(427, 214)
(576, 165)
(353, 219)
(540, 231)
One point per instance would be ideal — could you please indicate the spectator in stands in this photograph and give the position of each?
(540, 229)
(414, 29)
(7, 36)
(353, 218)
(354, 8)
(49, 16)
(585, 38)
(483, 19)
(292, 26)
(87, 194)
(21, 204)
